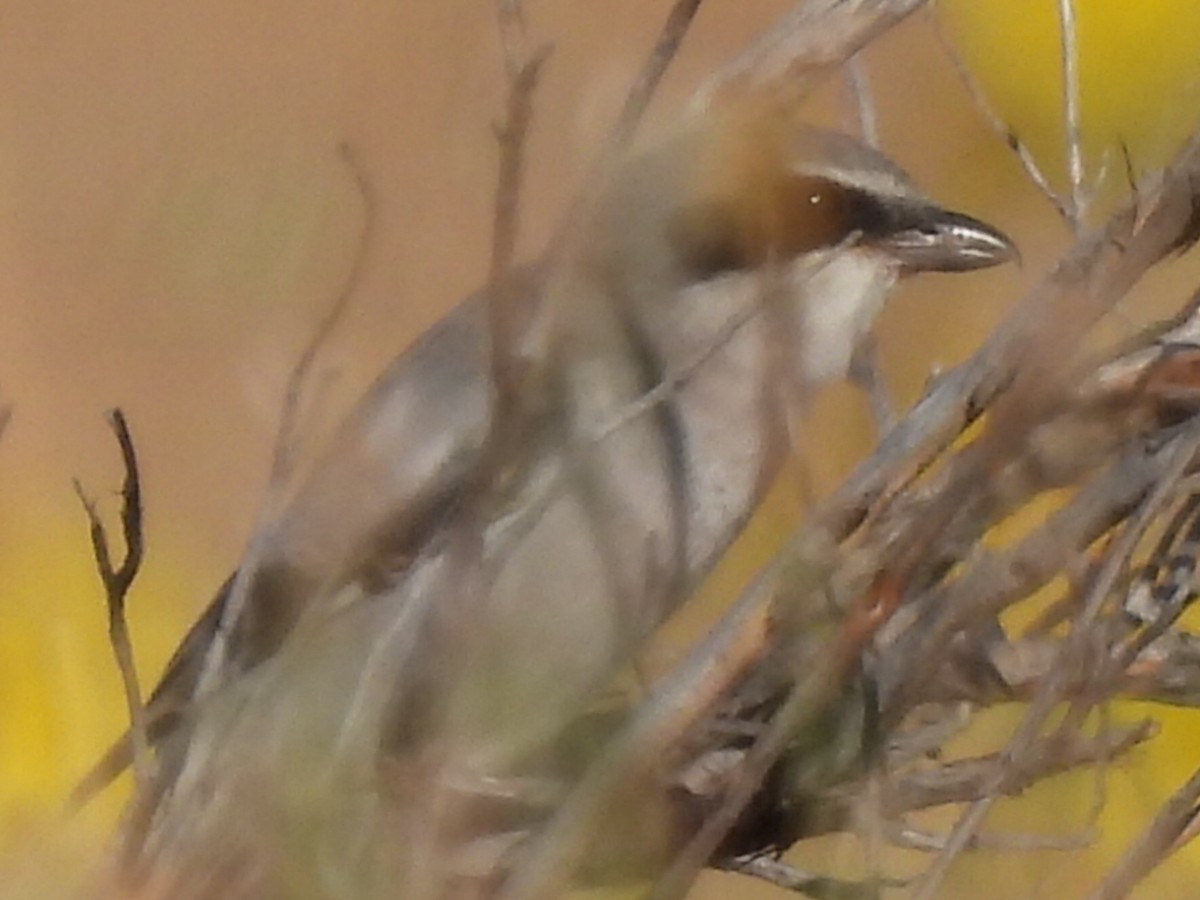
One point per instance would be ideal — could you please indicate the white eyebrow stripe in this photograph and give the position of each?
(881, 184)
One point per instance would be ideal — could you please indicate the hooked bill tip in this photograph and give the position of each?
(944, 241)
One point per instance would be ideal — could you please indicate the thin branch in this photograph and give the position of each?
(523, 68)
(117, 582)
(864, 102)
(287, 437)
(676, 378)
(806, 703)
(282, 466)
(510, 16)
(910, 838)
(865, 364)
(821, 887)
(1180, 455)
(1024, 156)
(637, 101)
(865, 371)
(965, 780)
(805, 46)
(678, 701)
(645, 86)
(1071, 114)
(1057, 316)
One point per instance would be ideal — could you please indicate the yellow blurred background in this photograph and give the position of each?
(175, 218)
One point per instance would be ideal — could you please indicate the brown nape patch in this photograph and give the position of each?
(707, 240)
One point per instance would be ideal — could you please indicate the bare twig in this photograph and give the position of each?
(282, 467)
(864, 364)
(1057, 316)
(866, 373)
(864, 103)
(1071, 121)
(645, 86)
(966, 780)
(811, 698)
(117, 582)
(287, 438)
(1024, 156)
(637, 101)
(1180, 455)
(510, 16)
(807, 45)
(523, 67)
(691, 690)
(821, 887)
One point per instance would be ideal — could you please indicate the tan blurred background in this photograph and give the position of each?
(175, 218)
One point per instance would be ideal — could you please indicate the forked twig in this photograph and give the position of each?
(117, 582)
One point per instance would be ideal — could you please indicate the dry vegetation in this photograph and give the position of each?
(824, 698)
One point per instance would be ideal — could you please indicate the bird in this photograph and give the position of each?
(714, 279)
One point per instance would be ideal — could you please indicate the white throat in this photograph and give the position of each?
(841, 299)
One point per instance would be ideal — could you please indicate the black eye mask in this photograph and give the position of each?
(797, 216)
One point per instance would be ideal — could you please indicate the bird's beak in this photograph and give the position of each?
(938, 240)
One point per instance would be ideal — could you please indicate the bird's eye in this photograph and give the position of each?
(772, 222)
(812, 213)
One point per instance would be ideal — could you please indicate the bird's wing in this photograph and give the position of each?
(395, 466)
